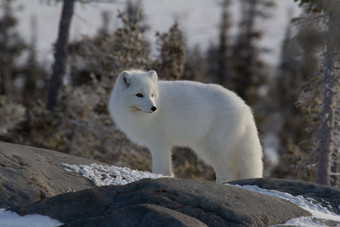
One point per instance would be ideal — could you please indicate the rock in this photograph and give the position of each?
(327, 196)
(167, 202)
(28, 174)
(32, 180)
(140, 215)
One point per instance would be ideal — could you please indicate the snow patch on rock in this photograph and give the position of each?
(102, 175)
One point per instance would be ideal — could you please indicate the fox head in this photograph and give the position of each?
(137, 90)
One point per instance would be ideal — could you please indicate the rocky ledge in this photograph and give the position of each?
(34, 181)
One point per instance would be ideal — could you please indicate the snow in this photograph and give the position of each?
(270, 143)
(11, 219)
(304, 222)
(308, 204)
(102, 175)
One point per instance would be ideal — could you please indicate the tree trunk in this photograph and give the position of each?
(334, 167)
(60, 55)
(335, 154)
(326, 145)
(245, 50)
(2, 83)
(223, 45)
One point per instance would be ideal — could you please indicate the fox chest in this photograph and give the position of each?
(138, 130)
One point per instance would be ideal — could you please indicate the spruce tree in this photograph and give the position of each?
(247, 74)
(298, 62)
(171, 61)
(326, 92)
(11, 44)
(31, 69)
(60, 53)
(224, 45)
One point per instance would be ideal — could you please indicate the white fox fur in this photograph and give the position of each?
(208, 118)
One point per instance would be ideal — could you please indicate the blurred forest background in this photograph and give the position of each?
(64, 107)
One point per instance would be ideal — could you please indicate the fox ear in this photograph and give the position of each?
(152, 74)
(124, 78)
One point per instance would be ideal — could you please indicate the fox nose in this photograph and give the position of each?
(153, 109)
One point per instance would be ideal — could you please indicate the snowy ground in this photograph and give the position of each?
(319, 212)
(11, 219)
(112, 175)
(109, 175)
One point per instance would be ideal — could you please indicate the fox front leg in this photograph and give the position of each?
(161, 161)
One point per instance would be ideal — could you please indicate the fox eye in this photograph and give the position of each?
(139, 95)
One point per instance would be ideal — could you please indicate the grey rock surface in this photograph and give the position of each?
(165, 200)
(28, 174)
(32, 180)
(327, 196)
(140, 215)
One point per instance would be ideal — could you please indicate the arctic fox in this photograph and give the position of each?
(208, 118)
